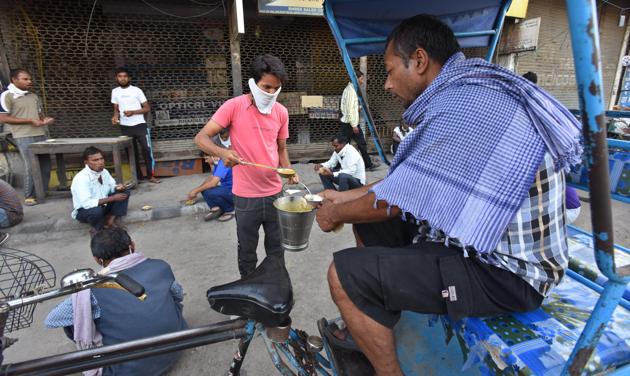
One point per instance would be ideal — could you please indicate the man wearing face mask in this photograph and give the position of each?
(96, 198)
(259, 128)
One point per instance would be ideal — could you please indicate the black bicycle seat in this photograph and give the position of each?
(265, 295)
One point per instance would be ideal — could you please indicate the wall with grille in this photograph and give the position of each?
(183, 66)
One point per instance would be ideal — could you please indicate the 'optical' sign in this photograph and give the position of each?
(294, 7)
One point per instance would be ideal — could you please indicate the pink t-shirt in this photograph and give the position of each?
(254, 137)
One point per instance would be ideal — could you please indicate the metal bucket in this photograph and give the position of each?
(295, 225)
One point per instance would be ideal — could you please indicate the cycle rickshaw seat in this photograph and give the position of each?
(265, 296)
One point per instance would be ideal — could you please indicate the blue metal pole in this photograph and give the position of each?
(328, 13)
(595, 287)
(594, 326)
(498, 27)
(586, 54)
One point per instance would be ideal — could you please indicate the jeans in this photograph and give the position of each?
(141, 139)
(4, 219)
(219, 196)
(359, 138)
(344, 181)
(23, 144)
(250, 214)
(96, 216)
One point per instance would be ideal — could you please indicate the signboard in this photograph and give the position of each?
(520, 37)
(517, 9)
(294, 7)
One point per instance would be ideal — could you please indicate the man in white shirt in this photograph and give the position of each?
(130, 105)
(352, 172)
(350, 120)
(96, 198)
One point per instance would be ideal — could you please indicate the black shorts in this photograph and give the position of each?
(426, 277)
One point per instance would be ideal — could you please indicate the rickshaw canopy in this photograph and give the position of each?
(361, 26)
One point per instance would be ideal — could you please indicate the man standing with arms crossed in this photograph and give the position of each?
(23, 112)
(259, 128)
(130, 105)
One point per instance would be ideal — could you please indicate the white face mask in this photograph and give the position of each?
(264, 101)
(225, 143)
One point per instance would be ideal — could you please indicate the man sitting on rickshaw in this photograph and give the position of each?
(470, 219)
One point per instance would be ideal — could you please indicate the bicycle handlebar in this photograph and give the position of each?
(93, 280)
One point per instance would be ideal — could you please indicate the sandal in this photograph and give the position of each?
(226, 217)
(31, 201)
(330, 329)
(212, 215)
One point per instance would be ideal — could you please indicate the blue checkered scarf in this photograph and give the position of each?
(481, 133)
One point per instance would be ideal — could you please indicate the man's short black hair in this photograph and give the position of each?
(122, 70)
(427, 32)
(268, 64)
(533, 77)
(110, 243)
(16, 72)
(340, 137)
(359, 74)
(91, 150)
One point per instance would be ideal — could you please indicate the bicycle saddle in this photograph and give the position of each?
(266, 295)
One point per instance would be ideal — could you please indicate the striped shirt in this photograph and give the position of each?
(534, 244)
(350, 106)
(10, 202)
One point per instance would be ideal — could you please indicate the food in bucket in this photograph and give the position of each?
(296, 206)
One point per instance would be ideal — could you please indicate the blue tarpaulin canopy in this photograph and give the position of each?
(355, 22)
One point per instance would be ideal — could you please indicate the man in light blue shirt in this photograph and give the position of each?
(96, 198)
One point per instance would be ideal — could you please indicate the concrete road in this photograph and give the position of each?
(201, 255)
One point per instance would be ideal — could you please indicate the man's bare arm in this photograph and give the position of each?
(341, 197)
(21, 121)
(116, 115)
(203, 140)
(361, 210)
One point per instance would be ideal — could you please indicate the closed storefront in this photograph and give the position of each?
(179, 54)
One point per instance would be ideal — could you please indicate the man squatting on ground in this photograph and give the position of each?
(479, 184)
(259, 128)
(352, 172)
(96, 198)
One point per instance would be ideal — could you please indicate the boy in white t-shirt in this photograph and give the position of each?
(130, 105)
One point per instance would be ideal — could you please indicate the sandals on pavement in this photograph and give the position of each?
(31, 201)
(226, 217)
(212, 215)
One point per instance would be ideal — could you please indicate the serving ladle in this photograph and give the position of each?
(283, 172)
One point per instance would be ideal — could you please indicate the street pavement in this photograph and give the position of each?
(202, 254)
